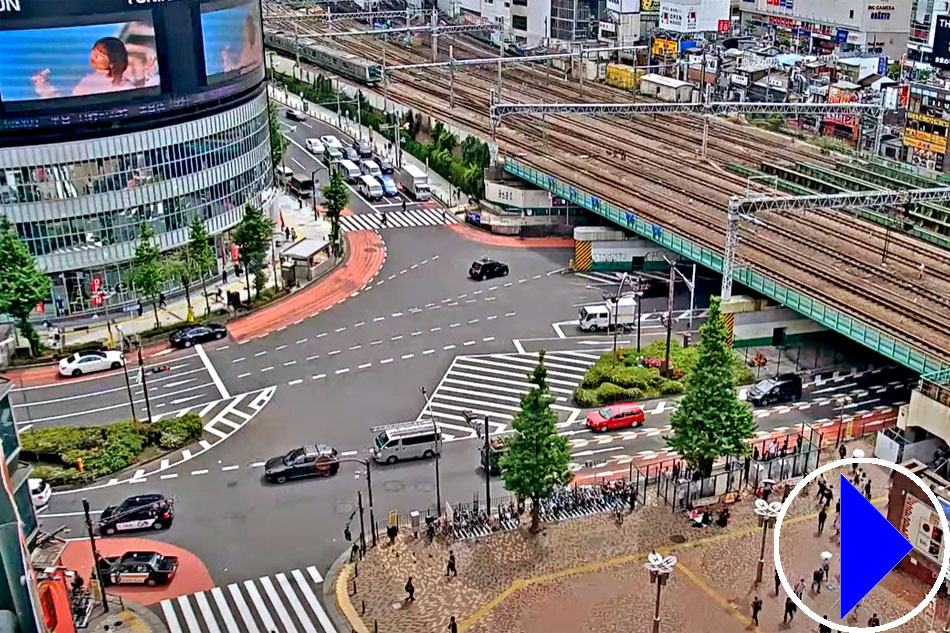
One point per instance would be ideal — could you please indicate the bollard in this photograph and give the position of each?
(356, 569)
(375, 626)
(354, 587)
(364, 607)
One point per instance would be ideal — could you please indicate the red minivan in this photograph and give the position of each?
(616, 416)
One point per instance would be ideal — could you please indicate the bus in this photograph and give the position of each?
(300, 186)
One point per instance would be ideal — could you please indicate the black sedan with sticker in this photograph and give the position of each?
(141, 512)
(138, 568)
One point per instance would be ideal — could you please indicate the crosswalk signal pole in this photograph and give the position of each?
(148, 405)
(487, 469)
(359, 503)
(97, 570)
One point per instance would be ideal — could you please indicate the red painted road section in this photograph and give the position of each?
(366, 256)
(192, 574)
(47, 374)
(507, 241)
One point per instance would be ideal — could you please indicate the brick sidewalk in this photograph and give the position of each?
(588, 574)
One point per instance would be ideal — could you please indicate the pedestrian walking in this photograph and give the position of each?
(454, 628)
(826, 570)
(800, 588)
(287, 233)
(778, 582)
(403, 205)
(842, 452)
(836, 523)
(224, 276)
(411, 590)
(816, 577)
(789, 610)
(874, 620)
(383, 219)
(162, 303)
(822, 517)
(824, 628)
(756, 607)
(787, 490)
(867, 489)
(450, 567)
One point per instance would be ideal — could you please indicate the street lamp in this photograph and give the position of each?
(125, 370)
(840, 404)
(660, 568)
(435, 450)
(369, 490)
(767, 513)
(148, 405)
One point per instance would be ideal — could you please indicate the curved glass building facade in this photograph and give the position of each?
(78, 205)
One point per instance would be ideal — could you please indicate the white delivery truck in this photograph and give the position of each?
(602, 316)
(414, 182)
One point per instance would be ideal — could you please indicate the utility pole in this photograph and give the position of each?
(359, 503)
(95, 555)
(501, 53)
(385, 88)
(148, 405)
(451, 76)
(125, 370)
(487, 469)
(435, 451)
(669, 317)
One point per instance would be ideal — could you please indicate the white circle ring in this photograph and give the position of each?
(883, 463)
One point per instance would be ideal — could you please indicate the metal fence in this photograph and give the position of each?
(683, 493)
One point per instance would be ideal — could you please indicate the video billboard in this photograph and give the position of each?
(79, 61)
(231, 40)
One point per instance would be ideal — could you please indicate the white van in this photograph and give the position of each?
(349, 171)
(370, 188)
(369, 167)
(284, 173)
(408, 440)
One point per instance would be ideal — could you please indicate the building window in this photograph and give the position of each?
(520, 3)
(519, 22)
(851, 14)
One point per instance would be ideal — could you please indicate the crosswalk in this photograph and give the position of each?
(492, 385)
(396, 219)
(284, 603)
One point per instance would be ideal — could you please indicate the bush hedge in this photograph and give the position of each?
(103, 449)
(625, 375)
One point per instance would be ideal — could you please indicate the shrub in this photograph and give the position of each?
(585, 398)
(672, 387)
(176, 432)
(56, 476)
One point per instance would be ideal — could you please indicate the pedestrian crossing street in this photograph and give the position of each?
(284, 603)
(492, 385)
(396, 219)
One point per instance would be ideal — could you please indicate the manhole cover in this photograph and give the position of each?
(678, 538)
(369, 249)
(393, 486)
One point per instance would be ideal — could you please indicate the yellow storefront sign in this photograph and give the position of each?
(925, 118)
(910, 140)
(665, 48)
(649, 5)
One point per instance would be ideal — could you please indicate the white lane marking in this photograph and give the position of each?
(398, 337)
(355, 347)
(313, 357)
(448, 347)
(333, 353)
(318, 376)
(321, 334)
(405, 356)
(365, 365)
(261, 353)
(428, 351)
(238, 360)
(303, 340)
(488, 339)
(227, 468)
(342, 371)
(245, 375)
(340, 329)
(267, 369)
(289, 363)
(200, 471)
(467, 343)
(295, 382)
(385, 361)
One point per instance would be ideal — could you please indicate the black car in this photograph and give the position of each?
(314, 460)
(193, 334)
(351, 154)
(296, 115)
(781, 388)
(141, 512)
(486, 269)
(385, 165)
(138, 568)
(363, 148)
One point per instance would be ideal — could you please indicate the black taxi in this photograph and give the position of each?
(138, 568)
(314, 460)
(141, 512)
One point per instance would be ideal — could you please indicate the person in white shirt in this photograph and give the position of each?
(108, 58)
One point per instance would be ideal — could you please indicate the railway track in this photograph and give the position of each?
(830, 256)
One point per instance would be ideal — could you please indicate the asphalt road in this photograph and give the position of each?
(422, 323)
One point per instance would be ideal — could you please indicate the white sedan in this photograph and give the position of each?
(315, 146)
(90, 361)
(331, 141)
(40, 492)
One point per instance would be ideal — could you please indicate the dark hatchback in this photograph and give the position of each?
(486, 269)
(781, 388)
(314, 460)
(141, 512)
(193, 334)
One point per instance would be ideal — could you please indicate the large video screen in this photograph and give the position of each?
(79, 61)
(232, 41)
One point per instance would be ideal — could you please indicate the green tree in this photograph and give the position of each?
(711, 421)
(536, 465)
(22, 286)
(202, 254)
(148, 274)
(335, 198)
(252, 236)
(179, 266)
(278, 142)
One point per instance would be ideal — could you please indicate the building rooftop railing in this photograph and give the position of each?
(936, 385)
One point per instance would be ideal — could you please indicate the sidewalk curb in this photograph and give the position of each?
(336, 598)
(147, 616)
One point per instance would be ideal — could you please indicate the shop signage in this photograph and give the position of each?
(941, 45)
(739, 80)
(788, 23)
(723, 27)
(665, 48)
(926, 118)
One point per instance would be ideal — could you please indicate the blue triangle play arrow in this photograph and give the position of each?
(870, 546)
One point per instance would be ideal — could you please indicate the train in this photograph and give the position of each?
(339, 62)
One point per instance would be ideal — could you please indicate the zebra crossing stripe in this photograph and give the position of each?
(278, 605)
(242, 609)
(229, 623)
(260, 606)
(312, 599)
(396, 219)
(170, 618)
(186, 611)
(206, 613)
(294, 602)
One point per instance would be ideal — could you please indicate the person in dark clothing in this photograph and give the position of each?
(403, 205)
(287, 233)
(138, 307)
(822, 517)
(384, 219)
(755, 454)
(817, 576)
(842, 452)
(824, 628)
(411, 590)
(867, 489)
(450, 568)
(756, 607)
(454, 628)
(778, 582)
(874, 620)
(161, 301)
(789, 610)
